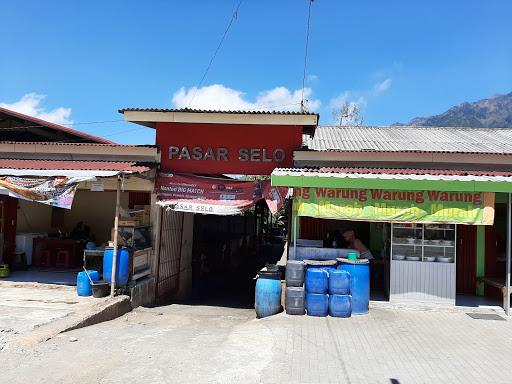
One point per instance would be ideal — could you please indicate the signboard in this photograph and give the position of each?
(97, 186)
(226, 148)
(215, 196)
(397, 206)
(54, 191)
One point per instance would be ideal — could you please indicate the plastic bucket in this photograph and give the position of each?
(100, 289)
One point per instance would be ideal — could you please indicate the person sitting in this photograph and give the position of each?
(354, 243)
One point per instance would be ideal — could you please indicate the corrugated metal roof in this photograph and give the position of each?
(120, 166)
(411, 139)
(51, 143)
(57, 127)
(389, 171)
(236, 112)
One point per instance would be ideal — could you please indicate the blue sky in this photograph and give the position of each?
(80, 61)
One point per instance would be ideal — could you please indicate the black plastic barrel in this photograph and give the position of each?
(295, 273)
(295, 301)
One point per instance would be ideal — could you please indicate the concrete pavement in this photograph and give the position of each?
(197, 344)
(33, 312)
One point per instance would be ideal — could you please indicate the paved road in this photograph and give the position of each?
(196, 344)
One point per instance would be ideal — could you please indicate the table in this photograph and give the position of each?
(41, 244)
(497, 282)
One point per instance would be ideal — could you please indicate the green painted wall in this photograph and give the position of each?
(396, 184)
(501, 198)
(480, 257)
(376, 236)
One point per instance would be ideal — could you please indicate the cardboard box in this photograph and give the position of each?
(142, 213)
(129, 222)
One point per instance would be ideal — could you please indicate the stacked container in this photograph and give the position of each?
(295, 301)
(317, 287)
(340, 300)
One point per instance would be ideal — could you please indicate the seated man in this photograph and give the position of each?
(354, 243)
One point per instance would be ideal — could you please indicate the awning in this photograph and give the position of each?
(416, 179)
(67, 168)
(215, 196)
(54, 182)
(395, 195)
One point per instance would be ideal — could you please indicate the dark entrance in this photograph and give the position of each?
(466, 260)
(8, 216)
(228, 252)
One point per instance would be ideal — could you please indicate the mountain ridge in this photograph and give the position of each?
(493, 112)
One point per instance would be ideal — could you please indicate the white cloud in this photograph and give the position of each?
(220, 97)
(30, 104)
(358, 99)
(312, 79)
(347, 97)
(382, 86)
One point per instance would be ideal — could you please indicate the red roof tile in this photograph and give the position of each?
(73, 165)
(400, 171)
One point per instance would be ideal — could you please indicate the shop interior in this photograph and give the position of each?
(433, 245)
(228, 251)
(53, 244)
(328, 233)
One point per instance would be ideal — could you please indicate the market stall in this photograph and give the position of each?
(62, 218)
(419, 215)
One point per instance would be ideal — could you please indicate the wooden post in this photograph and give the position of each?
(509, 240)
(116, 227)
(294, 231)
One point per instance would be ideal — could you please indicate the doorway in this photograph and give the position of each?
(8, 216)
(466, 260)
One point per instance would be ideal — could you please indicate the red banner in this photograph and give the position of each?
(215, 196)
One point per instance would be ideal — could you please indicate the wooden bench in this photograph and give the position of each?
(496, 282)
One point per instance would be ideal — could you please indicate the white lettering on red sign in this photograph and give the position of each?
(256, 155)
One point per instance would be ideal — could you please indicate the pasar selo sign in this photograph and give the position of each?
(402, 206)
(226, 148)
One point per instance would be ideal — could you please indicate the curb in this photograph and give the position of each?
(105, 310)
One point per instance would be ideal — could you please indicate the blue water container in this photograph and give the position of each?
(317, 304)
(329, 270)
(267, 301)
(359, 283)
(317, 280)
(340, 305)
(339, 282)
(122, 266)
(83, 285)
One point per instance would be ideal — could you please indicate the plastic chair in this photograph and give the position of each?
(45, 258)
(63, 258)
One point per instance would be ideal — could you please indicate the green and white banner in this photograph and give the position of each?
(396, 206)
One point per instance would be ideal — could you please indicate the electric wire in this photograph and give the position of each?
(234, 16)
(302, 105)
